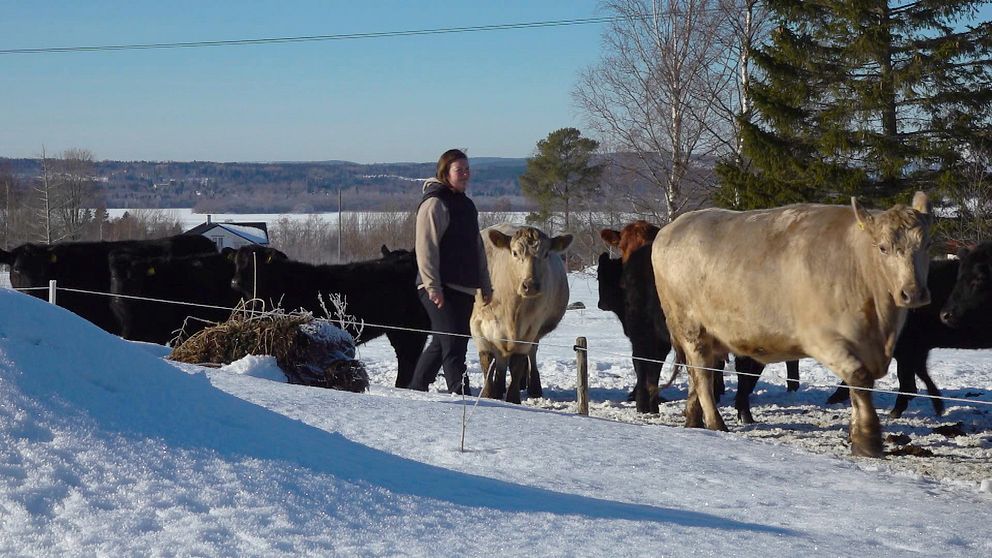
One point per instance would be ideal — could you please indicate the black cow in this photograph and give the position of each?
(201, 279)
(926, 329)
(969, 306)
(628, 291)
(379, 292)
(86, 266)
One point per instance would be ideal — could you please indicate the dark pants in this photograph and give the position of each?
(445, 351)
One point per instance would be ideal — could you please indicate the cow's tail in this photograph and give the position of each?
(679, 363)
(675, 372)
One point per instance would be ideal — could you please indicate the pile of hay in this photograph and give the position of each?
(309, 351)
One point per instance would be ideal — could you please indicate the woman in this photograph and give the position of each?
(451, 267)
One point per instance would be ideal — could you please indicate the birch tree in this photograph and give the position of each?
(660, 98)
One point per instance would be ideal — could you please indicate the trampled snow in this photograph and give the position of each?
(107, 449)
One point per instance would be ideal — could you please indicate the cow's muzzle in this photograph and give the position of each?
(913, 298)
(530, 288)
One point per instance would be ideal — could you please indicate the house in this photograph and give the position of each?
(233, 235)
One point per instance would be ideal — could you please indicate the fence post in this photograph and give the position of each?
(51, 291)
(582, 381)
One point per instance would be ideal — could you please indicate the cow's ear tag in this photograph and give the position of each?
(53, 258)
(150, 272)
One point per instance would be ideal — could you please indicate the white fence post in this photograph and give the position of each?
(51, 291)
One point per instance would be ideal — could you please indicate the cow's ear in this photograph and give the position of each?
(561, 243)
(499, 239)
(865, 220)
(384, 250)
(610, 237)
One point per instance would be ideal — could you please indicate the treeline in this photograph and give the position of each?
(276, 187)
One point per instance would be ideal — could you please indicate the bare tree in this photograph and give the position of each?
(44, 190)
(75, 193)
(971, 202)
(663, 97)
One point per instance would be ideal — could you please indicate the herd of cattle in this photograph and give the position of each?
(848, 287)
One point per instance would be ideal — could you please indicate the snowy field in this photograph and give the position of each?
(108, 450)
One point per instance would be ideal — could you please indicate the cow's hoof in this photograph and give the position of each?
(938, 407)
(535, 394)
(838, 397)
(871, 449)
(693, 421)
(745, 417)
(895, 413)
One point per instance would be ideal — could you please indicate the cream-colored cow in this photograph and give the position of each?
(530, 294)
(829, 282)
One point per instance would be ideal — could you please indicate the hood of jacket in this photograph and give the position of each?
(433, 184)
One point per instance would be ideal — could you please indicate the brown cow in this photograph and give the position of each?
(853, 275)
(530, 294)
(631, 237)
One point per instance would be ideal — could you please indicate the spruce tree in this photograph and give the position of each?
(867, 98)
(561, 176)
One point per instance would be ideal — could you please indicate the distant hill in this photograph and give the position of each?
(286, 186)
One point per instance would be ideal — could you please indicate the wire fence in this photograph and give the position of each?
(574, 347)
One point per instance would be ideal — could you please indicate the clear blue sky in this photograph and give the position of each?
(367, 100)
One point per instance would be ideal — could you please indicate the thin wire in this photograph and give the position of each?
(318, 38)
(431, 332)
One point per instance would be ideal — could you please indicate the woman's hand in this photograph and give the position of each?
(437, 298)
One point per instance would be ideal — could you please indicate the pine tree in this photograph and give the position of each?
(561, 176)
(866, 98)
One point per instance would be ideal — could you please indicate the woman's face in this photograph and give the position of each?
(458, 175)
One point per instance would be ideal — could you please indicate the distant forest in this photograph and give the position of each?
(284, 187)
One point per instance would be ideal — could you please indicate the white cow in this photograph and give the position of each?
(530, 293)
(829, 282)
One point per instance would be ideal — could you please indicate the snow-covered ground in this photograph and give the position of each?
(106, 449)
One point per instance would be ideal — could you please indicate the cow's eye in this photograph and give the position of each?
(883, 248)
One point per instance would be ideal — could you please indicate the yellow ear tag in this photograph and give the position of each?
(861, 225)
(150, 272)
(53, 258)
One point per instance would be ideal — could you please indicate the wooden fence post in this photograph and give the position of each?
(582, 381)
(51, 291)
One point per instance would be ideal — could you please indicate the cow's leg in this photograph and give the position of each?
(533, 375)
(487, 364)
(792, 375)
(518, 369)
(906, 366)
(932, 389)
(408, 347)
(693, 412)
(719, 385)
(841, 395)
(701, 364)
(866, 430)
(648, 372)
(499, 377)
(748, 371)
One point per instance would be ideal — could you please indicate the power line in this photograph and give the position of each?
(317, 38)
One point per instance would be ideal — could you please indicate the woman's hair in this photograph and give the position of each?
(445, 162)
